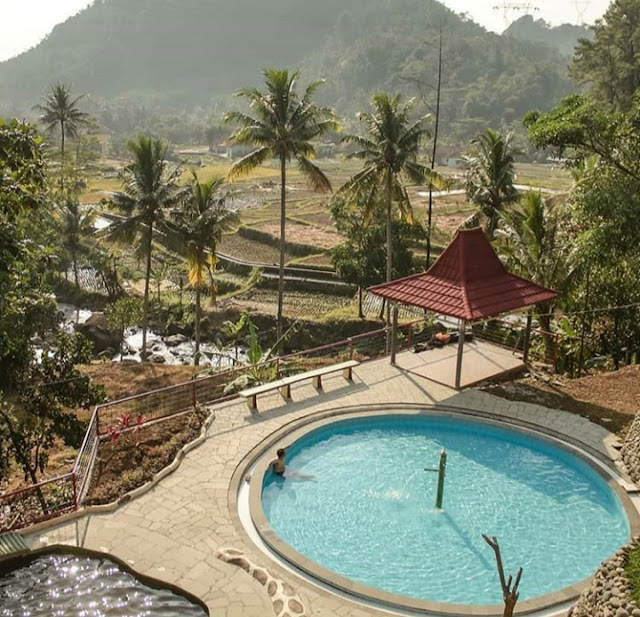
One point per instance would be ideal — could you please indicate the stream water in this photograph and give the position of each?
(171, 350)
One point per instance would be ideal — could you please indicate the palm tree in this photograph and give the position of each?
(390, 154)
(76, 225)
(533, 241)
(490, 178)
(282, 126)
(60, 110)
(199, 225)
(149, 189)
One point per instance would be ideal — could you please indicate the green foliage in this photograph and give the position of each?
(361, 259)
(35, 412)
(284, 125)
(390, 153)
(609, 63)
(564, 37)
(632, 570)
(122, 314)
(150, 189)
(489, 181)
(199, 225)
(148, 84)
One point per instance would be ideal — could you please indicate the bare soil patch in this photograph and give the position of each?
(305, 234)
(123, 379)
(608, 399)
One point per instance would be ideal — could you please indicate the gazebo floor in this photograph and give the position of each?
(480, 361)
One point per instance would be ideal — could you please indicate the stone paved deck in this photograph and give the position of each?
(172, 532)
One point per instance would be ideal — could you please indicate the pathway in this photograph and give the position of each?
(173, 531)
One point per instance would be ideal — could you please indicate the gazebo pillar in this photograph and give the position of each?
(394, 331)
(461, 332)
(527, 338)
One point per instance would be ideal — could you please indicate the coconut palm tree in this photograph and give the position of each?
(76, 226)
(198, 225)
(60, 110)
(282, 125)
(490, 177)
(149, 189)
(390, 154)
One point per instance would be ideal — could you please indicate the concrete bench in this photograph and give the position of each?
(284, 384)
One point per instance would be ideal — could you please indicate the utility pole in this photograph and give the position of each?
(433, 152)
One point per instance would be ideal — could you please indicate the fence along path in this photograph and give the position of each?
(63, 494)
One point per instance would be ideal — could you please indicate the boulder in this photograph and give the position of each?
(175, 339)
(157, 358)
(97, 331)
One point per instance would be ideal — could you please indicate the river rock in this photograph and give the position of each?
(175, 339)
(157, 358)
(96, 330)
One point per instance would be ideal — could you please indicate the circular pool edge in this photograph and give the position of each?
(258, 462)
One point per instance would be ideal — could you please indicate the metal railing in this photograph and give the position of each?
(66, 493)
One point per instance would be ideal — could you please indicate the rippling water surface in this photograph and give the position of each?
(73, 586)
(363, 507)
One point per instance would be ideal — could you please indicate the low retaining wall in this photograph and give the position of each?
(630, 452)
(608, 593)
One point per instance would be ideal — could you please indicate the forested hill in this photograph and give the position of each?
(564, 38)
(180, 54)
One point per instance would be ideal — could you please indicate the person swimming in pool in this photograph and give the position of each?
(278, 465)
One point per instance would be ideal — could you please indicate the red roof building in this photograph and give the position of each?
(468, 281)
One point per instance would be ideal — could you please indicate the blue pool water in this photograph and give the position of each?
(368, 513)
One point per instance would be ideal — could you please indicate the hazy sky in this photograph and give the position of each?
(23, 23)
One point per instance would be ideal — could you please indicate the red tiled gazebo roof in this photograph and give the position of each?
(467, 281)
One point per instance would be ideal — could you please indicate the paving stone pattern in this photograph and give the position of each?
(173, 531)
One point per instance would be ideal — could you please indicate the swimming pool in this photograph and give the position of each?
(368, 513)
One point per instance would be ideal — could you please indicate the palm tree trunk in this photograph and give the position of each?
(283, 215)
(389, 243)
(62, 156)
(75, 269)
(196, 360)
(145, 305)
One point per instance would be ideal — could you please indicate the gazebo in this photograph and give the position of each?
(468, 282)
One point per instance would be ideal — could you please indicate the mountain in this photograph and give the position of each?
(140, 57)
(563, 38)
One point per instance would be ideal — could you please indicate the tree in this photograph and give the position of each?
(361, 258)
(60, 110)
(534, 242)
(122, 314)
(35, 391)
(283, 126)
(76, 226)
(150, 189)
(609, 64)
(199, 225)
(489, 182)
(604, 209)
(390, 154)
(37, 412)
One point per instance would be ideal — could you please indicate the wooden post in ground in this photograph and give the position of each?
(394, 333)
(509, 591)
(460, 348)
(527, 338)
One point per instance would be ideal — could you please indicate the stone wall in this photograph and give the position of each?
(631, 450)
(607, 595)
